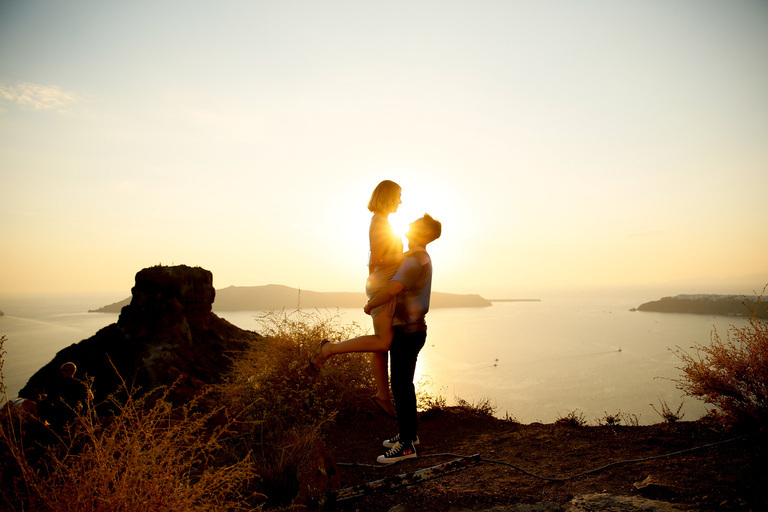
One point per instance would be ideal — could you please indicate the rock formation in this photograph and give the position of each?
(167, 335)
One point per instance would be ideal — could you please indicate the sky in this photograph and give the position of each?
(563, 145)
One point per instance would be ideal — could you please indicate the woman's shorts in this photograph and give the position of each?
(376, 281)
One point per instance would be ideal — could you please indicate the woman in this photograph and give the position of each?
(385, 257)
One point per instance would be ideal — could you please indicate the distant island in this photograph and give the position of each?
(727, 305)
(273, 296)
(514, 300)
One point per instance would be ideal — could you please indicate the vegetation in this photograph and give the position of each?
(482, 407)
(281, 403)
(732, 374)
(149, 456)
(666, 412)
(574, 418)
(616, 419)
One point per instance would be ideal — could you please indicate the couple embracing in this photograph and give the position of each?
(399, 286)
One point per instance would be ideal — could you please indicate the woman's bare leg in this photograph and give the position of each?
(380, 365)
(377, 342)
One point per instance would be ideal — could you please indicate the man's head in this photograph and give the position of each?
(68, 370)
(423, 231)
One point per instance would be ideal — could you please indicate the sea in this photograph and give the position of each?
(532, 361)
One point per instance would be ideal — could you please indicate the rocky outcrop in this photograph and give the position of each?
(730, 305)
(167, 335)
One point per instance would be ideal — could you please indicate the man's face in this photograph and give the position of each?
(416, 231)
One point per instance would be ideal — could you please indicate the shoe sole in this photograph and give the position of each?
(383, 460)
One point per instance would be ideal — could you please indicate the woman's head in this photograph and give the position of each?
(385, 197)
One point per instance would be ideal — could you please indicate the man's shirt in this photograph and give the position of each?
(415, 274)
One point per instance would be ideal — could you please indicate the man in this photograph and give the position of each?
(66, 399)
(412, 284)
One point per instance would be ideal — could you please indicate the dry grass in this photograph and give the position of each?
(147, 457)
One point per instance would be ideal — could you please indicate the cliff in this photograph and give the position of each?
(275, 297)
(730, 305)
(167, 334)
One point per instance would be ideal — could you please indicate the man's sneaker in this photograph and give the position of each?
(397, 453)
(390, 443)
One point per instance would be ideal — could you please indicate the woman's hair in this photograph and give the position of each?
(384, 197)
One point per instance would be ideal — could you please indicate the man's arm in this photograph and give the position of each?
(387, 293)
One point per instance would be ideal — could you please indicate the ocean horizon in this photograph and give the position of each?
(533, 361)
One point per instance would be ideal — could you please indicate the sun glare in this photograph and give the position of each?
(425, 193)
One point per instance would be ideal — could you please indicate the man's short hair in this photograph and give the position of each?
(434, 226)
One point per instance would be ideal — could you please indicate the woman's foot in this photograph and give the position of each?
(319, 357)
(385, 404)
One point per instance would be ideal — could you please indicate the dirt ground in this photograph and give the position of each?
(728, 473)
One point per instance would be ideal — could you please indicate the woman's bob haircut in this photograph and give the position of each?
(384, 197)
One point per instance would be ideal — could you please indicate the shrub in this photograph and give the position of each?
(281, 404)
(614, 420)
(667, 414)
(731, 374)
(482, 407)
(574, 418)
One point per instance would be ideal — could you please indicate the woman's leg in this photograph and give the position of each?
(380, 366)
(377, 342)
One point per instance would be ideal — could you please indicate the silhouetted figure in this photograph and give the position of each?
(385, 258)
(67, 397)
(412, 287)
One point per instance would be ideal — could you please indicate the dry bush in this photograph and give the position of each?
(482, 407)
(281, 404)
(273, 384)
(614, 420)
(426, 400)
(732, 374)
(666, 412)
(147, 457)
(574, 418)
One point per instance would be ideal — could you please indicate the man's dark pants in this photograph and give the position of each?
(403, 353)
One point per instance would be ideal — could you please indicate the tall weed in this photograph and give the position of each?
(281, 403)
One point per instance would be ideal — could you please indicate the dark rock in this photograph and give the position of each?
(316, 475)
(166, 335)
(656, 488)
(601, 502)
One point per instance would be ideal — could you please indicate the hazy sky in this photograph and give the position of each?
(563, 144)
